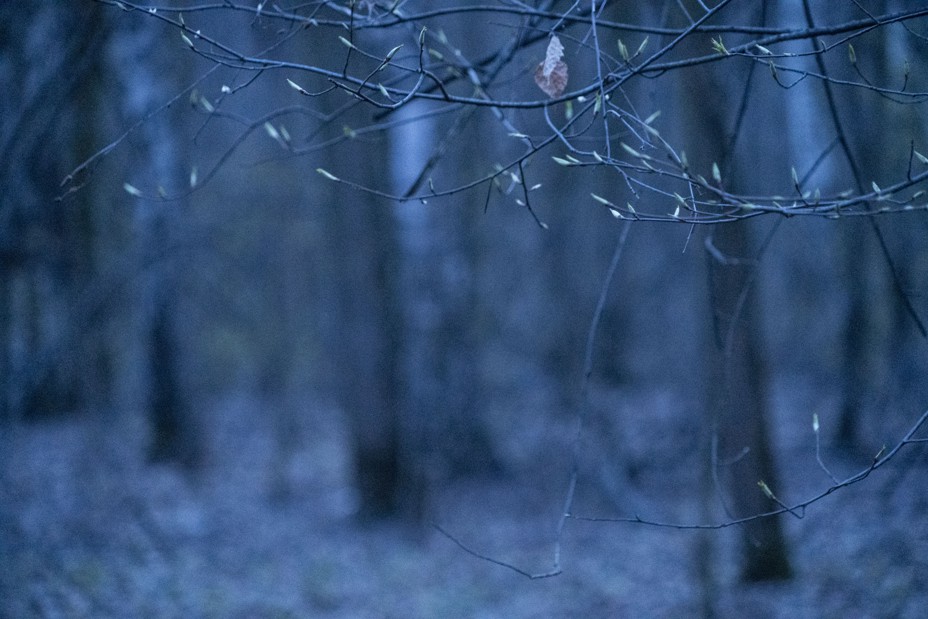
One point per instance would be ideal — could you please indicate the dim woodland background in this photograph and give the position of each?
(349, 309)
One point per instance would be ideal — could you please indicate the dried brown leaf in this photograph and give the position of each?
(551, 73)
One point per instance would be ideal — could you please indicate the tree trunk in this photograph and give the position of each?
(145, 70)
(877, 310)
(173, 436)
(403, 335)
(47, 249)
(366, 346)
(737, 400)
(736, 392)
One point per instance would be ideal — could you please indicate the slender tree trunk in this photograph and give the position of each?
(737, 401)
(865, 334)
(876, 311)
(736, 387)
(145, 71)
(173, 437)
(366, 346)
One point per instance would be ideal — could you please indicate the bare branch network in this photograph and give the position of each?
(558, 85)
(395, 53)
(797, 510)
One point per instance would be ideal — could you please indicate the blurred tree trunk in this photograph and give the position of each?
(877, 322)
(440, 301)
(736, 380)
(170, 440)
(366, 344)
(365, 332)
(737, 399)
(50, 360)
(461, 439)
(406, 372)
(866, 329)
(439, 366)
(147, 73)
(403, 336)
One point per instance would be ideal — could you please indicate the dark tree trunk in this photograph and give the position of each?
(173, 438)
(865, 334)
(47, 248)
(366, 343)
(738, 401)
(736, 392)
(142, 68)
(877, 304)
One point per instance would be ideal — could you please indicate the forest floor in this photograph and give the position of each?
(87, 529)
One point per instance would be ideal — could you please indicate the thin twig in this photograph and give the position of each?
(798, 509)
(489, 559)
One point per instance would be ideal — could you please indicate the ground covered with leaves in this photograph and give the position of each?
(88, 529)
